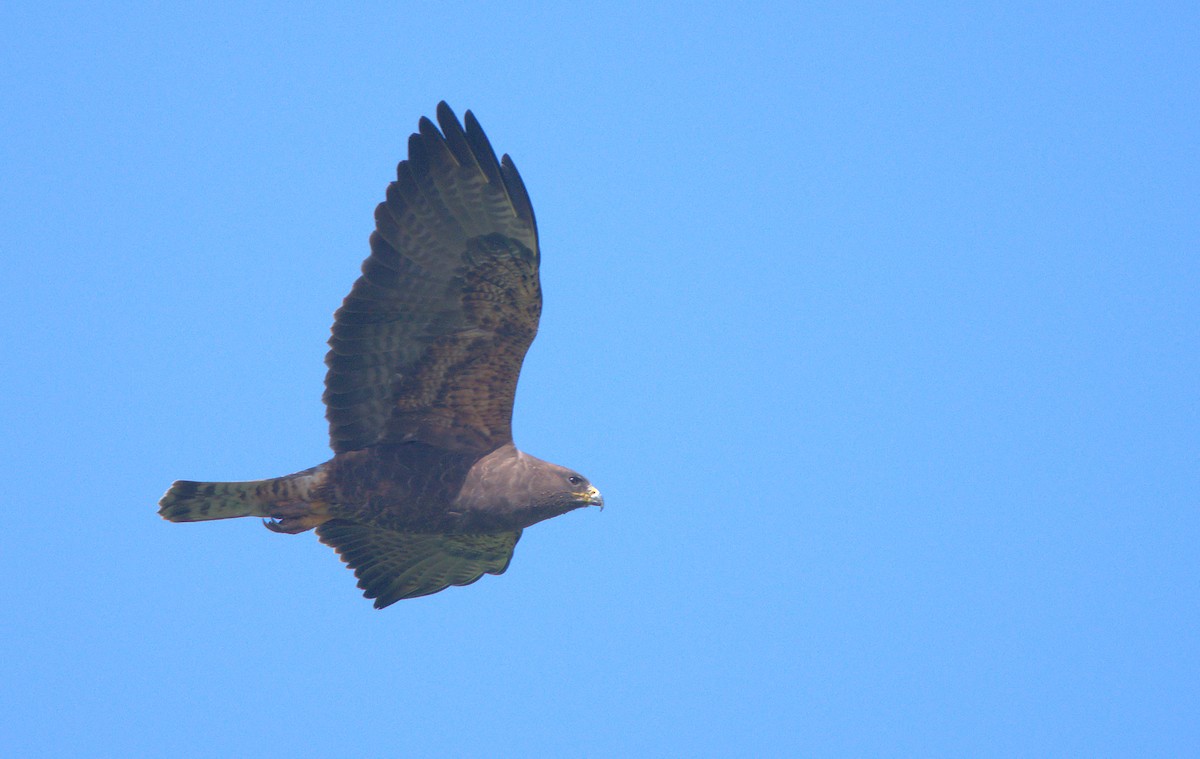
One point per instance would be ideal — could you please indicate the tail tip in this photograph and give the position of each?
(175, 504)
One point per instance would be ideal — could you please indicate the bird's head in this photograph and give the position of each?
(509, 488)
(556, 490)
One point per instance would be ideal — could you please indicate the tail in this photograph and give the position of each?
(293, 503)
(189, 501)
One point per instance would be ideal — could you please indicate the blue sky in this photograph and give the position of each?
(876, 325)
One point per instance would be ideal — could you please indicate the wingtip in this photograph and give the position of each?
(424, 125)
(517, 191)
(418, 157)
(470, 121)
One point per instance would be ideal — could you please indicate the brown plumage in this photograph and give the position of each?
(425, 489)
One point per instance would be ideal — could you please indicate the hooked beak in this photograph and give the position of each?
(592, 497)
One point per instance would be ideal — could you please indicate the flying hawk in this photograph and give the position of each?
(425, 488)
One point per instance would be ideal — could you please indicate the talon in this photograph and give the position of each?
(295, 525)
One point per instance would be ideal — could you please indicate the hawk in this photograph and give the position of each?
(425, 488)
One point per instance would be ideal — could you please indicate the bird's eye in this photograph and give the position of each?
(574, 480)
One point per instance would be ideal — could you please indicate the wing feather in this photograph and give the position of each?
(391, 566)
(430, 340)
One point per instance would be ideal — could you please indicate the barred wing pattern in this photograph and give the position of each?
(392, 566)
(429, 342)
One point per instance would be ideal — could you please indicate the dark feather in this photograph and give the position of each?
(517, 191)
(482, 149)
(391, 566)
(456, 139)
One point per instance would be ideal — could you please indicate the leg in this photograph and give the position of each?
(296, 516)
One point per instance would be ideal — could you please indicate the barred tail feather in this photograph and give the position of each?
(189, 501)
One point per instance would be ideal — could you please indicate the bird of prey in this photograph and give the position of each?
(425, 489)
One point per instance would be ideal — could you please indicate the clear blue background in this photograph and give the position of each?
(877, 326)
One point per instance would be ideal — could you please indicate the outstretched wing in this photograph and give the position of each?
(391, 566)
(429, 342)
